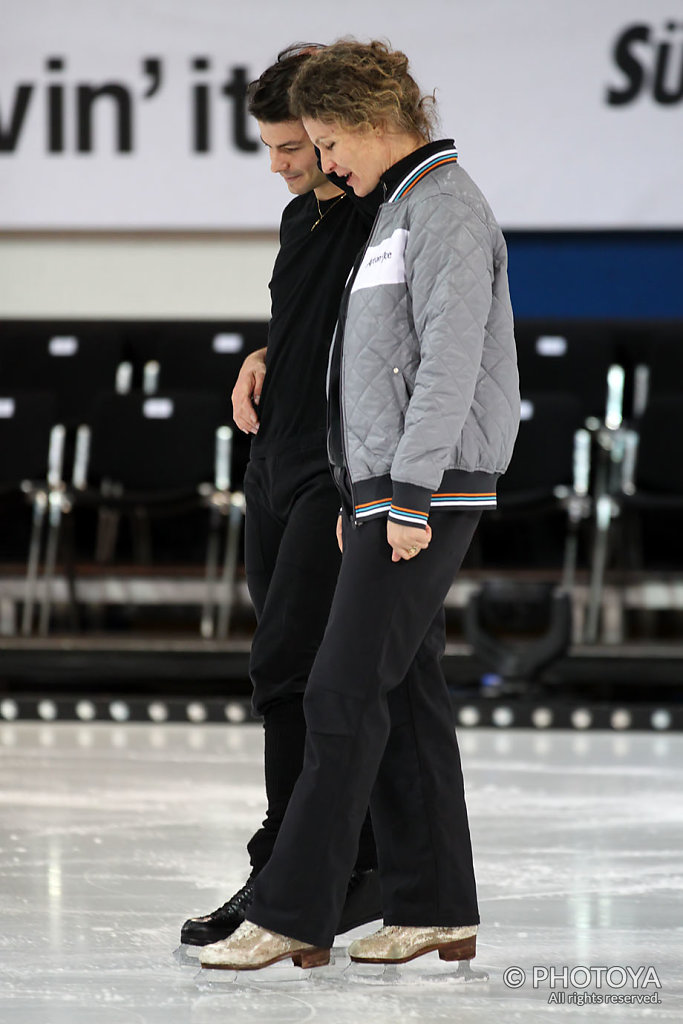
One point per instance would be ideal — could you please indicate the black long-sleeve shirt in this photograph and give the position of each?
(308, 280)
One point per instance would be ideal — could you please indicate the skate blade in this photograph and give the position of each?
(282, 972)
(187, 956)
(425, 969)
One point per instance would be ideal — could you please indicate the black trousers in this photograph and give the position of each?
(292, 562)
(379, 729)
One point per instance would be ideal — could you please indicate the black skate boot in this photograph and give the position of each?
(200, 931)
(363, 900)
(362, 905)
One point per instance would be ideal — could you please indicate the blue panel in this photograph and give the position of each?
(597, 275)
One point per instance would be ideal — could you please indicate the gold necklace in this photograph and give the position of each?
(329, 209)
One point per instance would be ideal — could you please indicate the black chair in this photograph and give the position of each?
(652, 490)
(641, 482)
(74, 367)
(654, 478)
(571, 361)
(160, 455)
(648, 492)
(31, 458)
(549, 475)
(659, 362)
(542, 466)
(207, 359)
(550, 460)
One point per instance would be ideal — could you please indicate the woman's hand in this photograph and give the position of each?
(340, 542)
(406, 541)
(247, 391)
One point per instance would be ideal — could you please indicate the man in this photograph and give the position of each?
(292, 558)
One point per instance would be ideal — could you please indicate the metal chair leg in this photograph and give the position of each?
(603, 516)
(207, 626)
(221, 507)
(54, 522)
(39, 507)
(227, 589)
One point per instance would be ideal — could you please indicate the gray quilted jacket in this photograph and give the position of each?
(427, 407)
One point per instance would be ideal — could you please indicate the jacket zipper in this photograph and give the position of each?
(345, 304)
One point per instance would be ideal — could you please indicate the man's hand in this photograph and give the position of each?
(247, 391)
(406, 541)
(340, 542)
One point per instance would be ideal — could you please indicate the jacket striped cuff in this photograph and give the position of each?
(410, 504)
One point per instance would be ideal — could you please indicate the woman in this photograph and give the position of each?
(423, 412)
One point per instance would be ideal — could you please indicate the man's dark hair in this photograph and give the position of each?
(268, 96)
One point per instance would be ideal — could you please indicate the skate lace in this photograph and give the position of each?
(237, 902)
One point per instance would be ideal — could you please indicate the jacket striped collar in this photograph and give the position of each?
(446, 156)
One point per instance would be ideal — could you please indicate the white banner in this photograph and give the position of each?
(131, 115)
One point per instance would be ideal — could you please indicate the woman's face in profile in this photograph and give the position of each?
(360, 155)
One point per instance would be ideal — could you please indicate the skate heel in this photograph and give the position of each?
(462, 949)
(311, 958)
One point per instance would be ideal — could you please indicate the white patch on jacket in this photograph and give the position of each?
(383, 263)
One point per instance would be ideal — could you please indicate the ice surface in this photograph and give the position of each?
(110, 836)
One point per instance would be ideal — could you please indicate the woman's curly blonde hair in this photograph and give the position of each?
(359, 85)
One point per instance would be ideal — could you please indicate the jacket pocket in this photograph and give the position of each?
(403, 385)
